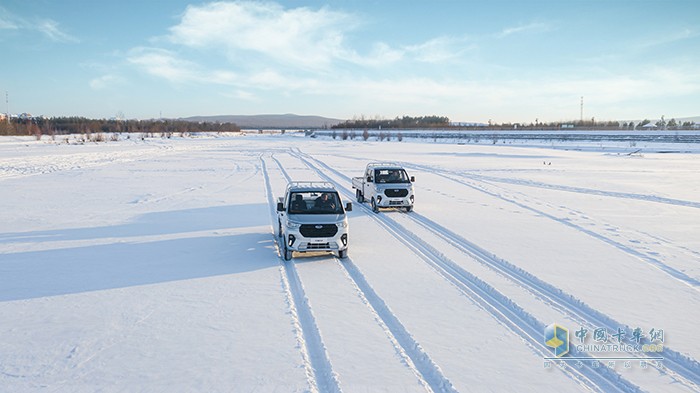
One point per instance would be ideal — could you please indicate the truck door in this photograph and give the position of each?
(367, 183)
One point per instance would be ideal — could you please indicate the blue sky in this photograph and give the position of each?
(505, 61)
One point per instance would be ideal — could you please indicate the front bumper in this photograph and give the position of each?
(298, 242)
(385, 201)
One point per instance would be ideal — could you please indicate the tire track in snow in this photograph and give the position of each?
(530, 183)
(642, 247)
(504, 310)
(428, 373)
(642, 197)
(319, 371)
(35, 165)
(671, 271)
(581, 190)
(643, 241)
(682, 368)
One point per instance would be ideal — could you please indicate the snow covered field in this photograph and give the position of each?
(153, 266)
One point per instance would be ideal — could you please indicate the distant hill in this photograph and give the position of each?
(694, 119)
(285, 121)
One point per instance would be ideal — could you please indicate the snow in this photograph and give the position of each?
(153, 265)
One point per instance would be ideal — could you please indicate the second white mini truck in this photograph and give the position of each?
(385, 185)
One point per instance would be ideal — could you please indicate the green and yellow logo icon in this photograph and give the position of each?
(557, 337)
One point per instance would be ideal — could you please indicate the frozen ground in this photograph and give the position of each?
(153, 266)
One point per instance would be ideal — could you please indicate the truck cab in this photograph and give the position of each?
(311, 217)
(385, 185)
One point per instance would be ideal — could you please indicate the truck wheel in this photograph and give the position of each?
(342, 254)
(287, 253)
(360, 198)
(374, 206)
(279, 228)
(409, 209)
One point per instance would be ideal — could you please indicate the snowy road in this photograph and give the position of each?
(154, 266)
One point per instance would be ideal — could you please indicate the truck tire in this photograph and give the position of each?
(342, 254)
(359, 196)
(287, 253)
(279, 228)
(409, 209)
(374, 206)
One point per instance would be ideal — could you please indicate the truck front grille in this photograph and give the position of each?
(318, 246)
(396, 193)
(318, 230)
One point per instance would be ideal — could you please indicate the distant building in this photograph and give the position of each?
(3, 117)
(467, 124)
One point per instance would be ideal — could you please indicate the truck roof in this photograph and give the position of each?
(391, 165)
(323, 186)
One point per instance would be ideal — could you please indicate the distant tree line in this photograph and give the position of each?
(405, 122)
(442, 122)
(79, 125)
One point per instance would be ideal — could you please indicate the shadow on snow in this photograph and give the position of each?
(126, 263)
(156, 223)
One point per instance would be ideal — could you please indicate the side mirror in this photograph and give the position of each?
(280, 206)
(348, 207)
(369, 179)
(413, 179)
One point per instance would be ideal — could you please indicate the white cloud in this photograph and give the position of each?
(297, 38)
(381, 55)
(549, 98)
(105, 81)
(167, 65)
(270, 46)
(8, 25)
(301, 36)
(242, 95)
(164, 64)
(50, 29)
(6, 20)
(440, 49)
(669, 38)
(532, 27)
(272, 53)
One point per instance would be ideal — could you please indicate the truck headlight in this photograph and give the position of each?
(293, 225)
(343, 224)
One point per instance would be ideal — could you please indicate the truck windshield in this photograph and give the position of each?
(314, 202)
(391, 176)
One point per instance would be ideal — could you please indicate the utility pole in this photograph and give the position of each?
(7, 103)
(581, 109)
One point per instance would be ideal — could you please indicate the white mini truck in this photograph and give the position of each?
(385, 184)
(311, 217)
